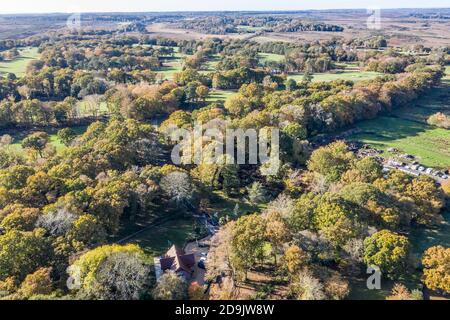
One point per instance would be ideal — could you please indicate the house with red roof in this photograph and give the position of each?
(175, 260)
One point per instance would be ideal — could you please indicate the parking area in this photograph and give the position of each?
(200, 250)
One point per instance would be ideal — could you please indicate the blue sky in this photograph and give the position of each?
(21, 6)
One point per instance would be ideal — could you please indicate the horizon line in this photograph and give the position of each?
(215, 11)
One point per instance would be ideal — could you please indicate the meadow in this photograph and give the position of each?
(430, 145)
(171, 65)
(219, 95)
(270, 57)
(211, 64)
(407, 130)
(18, 137)
(19, 65)
(340, 75)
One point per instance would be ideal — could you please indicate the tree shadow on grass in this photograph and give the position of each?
(387, 129)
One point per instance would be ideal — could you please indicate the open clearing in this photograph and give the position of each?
(158, 238)
(397, 25)
(171, 65)
(431, 145)
(345, 75)
(19, 136)
(179, 228)
(406, 129)
(219, 95)
(84, 109)
(18, 66)
(211, 64)
(270, 57)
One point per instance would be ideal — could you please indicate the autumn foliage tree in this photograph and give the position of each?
(295, 259)
(331, 161)
(388, 251)
(111, 272)
(37, 283)
(436, 272)
(249, 235)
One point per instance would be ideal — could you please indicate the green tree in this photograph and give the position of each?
(171, 287)
(202, 92)
(301, 217)
(276, 232)
(256, 193)
(88, 230)
(111, 272)
(295, 131)
(380, 209)
(388, 251)
(428, 198)
(23, 252)
(291, 85)
(17, 217)
(36, 141)
(367, 170)
(15, 177)
(337, 220)
(66, 135)
(238, 105)
(331, 161)
(248, 238)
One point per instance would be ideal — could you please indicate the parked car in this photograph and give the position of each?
(201, 264)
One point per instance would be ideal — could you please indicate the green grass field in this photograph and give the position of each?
(407, 130)
(171, 65)
(431, 145)
(157, 239)
(18, 66)
(270, 57)
(219, 95)
(19, 136)
(344, 75)
(438, 100)
(424, 238)
(224, 205)
(345, 71)
(211, 64)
